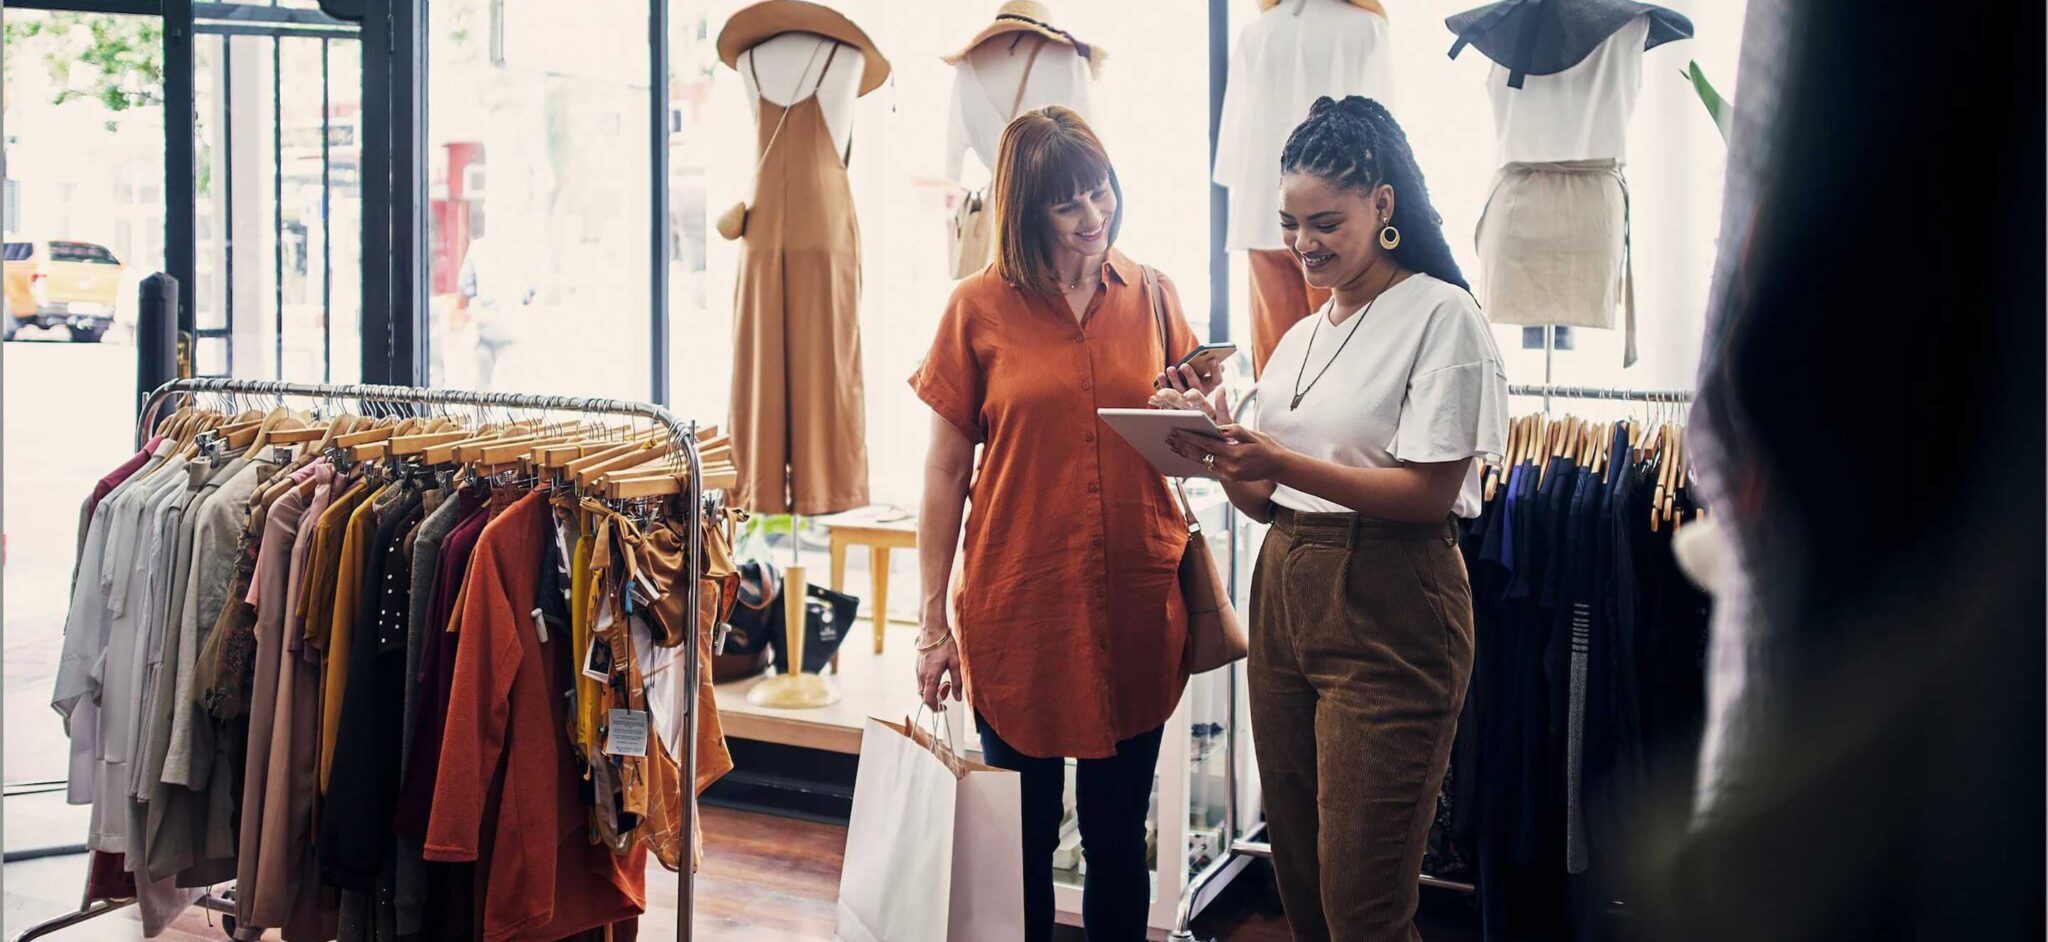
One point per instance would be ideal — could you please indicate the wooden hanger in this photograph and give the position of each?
(1663, 476)
(418, 442)
(445, 452)
(717, 477)
(514, 450)
(714, 451)
(575, 467)
(631, 459)
(248, 438)
(169, 426)
(587, 443)
(305, 432)
(375, 433)
(1490, 480)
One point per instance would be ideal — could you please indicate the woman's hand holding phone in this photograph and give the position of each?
(1201, 369)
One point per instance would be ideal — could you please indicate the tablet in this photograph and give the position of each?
(1146, 430)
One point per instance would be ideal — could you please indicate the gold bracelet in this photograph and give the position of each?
(933, 645)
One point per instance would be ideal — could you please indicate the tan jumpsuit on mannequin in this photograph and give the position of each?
(799, 411)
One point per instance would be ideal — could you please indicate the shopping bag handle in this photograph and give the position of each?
(942, 744)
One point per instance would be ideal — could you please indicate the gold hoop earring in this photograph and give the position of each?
(1390, 238)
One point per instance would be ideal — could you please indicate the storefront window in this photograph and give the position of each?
(84, 224)
(278, 206)
(538, 219)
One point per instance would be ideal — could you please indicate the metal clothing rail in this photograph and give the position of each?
(684, 435)
(1601, 393)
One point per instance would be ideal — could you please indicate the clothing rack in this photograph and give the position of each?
(682, 433)
(1547, 393)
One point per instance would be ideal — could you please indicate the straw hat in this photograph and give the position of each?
(763, 21)
(1373, 5)
(1030, 16)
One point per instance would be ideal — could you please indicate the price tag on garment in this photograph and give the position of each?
(597, 661)
(648, 590)
(626, 735)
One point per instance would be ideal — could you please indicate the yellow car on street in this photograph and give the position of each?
(59, 283)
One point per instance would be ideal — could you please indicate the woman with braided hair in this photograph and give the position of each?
(1371, 414)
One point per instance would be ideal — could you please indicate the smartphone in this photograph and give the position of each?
(1208, 358)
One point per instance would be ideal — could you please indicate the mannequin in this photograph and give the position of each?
(985, 83)
(788, 65)
(799, 416)
(1021, 61)
(1295, 52)
(1553, 238)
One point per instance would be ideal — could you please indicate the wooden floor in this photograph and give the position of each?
(765, 879)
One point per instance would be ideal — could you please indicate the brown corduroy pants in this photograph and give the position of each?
(1361, 649)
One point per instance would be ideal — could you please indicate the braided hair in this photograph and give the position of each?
(1354, 144)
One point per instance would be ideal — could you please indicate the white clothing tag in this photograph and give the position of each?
(540, 625)
(648, 589)
(597, 660)
(563, 556)
(626, 734)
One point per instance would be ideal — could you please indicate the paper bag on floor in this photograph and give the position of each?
(934, 850)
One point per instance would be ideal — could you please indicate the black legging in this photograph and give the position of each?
(1111, 798)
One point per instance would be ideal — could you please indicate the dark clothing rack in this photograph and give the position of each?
(684, 435)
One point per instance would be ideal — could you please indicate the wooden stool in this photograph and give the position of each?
(880, 530)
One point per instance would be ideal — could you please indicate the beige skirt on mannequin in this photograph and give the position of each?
(798, 406)
(1553, 247)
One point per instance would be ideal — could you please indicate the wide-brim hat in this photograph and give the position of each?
(1373, 5)
(1545, 37)
(766, 20)
(1030, 16)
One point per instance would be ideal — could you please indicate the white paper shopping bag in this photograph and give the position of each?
(934, 850)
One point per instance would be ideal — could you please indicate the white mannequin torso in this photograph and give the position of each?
(789, 64)
(985, 84)
(1285, 59)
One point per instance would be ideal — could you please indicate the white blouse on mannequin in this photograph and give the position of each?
(789, 65)
(1580, 113)
(1291, 55)
(985, 83)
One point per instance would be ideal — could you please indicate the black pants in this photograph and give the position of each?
(1110, 801)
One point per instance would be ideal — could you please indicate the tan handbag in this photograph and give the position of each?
(1216, 636)
(971, 245)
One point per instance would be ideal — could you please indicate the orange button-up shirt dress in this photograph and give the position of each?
(1070, 618)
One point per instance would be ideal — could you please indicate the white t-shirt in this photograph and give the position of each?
(985, 83)
(1420, 382)
(1291, 55)
(1580, 113)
